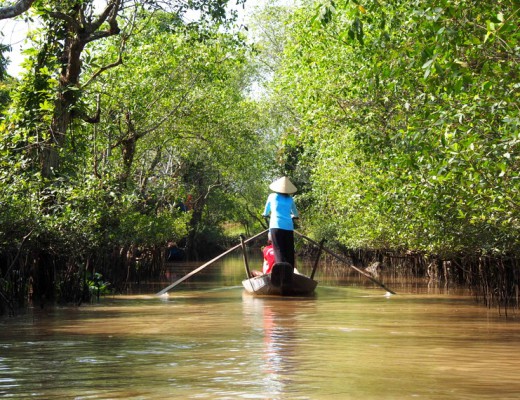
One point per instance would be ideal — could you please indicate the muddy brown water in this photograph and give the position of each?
(209, 340)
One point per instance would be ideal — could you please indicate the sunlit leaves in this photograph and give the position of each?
(426, 105)
(181, 99)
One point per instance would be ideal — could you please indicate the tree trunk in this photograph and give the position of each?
(78, 32)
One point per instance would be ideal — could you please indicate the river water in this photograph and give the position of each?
(209, 340)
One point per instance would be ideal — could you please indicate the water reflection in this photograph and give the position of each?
(277, 319)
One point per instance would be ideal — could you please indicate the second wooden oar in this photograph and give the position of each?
(346, 262)
(206, 264)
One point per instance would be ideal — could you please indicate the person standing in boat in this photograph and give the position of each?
(281, 209)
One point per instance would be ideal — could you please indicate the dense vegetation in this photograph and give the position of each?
(129, 128)
(398, 121)
(403, 125)
(407, 119)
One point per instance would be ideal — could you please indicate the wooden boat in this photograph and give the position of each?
(282, 281)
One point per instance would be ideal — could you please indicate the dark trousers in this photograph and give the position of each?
(283, 245)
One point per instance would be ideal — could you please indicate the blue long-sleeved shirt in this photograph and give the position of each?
(282, 209)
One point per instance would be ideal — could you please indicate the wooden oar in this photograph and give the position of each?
(244, 254)
(317, 259)
(346, 262)
(206, 264)
(246, 262)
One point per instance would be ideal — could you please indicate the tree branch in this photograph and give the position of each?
(109, 12)
(68, 19)
(18, 8)
(97, 116)
(119, 61)
(167, 115)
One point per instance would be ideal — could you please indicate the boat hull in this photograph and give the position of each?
(281, 282)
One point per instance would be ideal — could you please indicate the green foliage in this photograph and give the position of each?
(97, 285)
(144, 230)
(175, 121)
(407, 122)
(181, 99)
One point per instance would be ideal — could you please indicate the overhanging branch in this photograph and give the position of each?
(18, 8)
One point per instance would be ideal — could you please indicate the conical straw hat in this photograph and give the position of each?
(283, 185)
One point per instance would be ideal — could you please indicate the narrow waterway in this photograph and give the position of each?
(209, 340)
